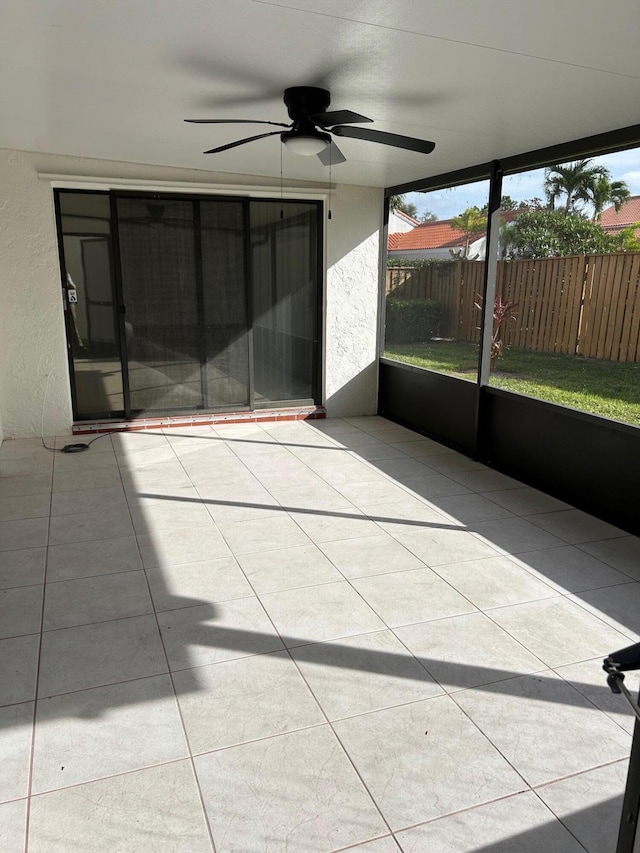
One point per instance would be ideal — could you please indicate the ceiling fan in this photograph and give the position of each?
(311, 127)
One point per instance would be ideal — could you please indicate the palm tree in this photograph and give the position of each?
(575, 180)
(604, 191)
(471, 221)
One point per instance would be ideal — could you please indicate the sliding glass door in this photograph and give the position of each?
(213, 302)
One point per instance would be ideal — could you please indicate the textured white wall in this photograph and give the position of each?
(32, 338)
(351, 318)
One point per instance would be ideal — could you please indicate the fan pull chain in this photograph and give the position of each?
(330, 184)
(281, 187)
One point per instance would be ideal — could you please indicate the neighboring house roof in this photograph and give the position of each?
(439, 235)
(628, 214)
(430, 235)
(405, 216)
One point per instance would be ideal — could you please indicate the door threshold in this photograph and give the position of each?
(296, 413)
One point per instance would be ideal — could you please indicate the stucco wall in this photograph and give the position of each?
(32, 339)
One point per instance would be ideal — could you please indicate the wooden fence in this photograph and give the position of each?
(585, 305)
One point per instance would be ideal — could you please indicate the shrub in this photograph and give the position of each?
(411, 320)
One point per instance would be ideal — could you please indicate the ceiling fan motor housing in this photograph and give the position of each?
(304, 101)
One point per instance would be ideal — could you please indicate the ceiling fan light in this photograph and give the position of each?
(306, 145)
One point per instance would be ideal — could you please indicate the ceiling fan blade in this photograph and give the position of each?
(234, 121)
(241, 142)
(422, 146)
(337, 117)
(331, 155)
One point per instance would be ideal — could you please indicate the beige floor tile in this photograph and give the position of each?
(332, 524)
(13, 824)
(138, 458)
(107, 730)
(15, 747)
(242, 700)
(526, 501)
(88, 500)
(430, 747)
(21, 448)
(485, 481)
(78, 481)
(349, 472)
(558, 631)
(186, 511)
(22, 568)
(311, 496)
(263, 534)
(468, 509)
(449, 463)
(32, 484)
(298, 790)
(410, 515)
(406, 441)
(521, 823)
(24, 506)
(18, 666)
(401, 469)
(105, 653)
(88, 526)
(618, 606)
(26, 533)
(544, 727)
(100, 557)
(20, 611)
(381, 490)
(360, 674)
(588, 678)
(181, 545)
(155, 809)
(376, 450)
(197, 636)
(434, 486)
(419, 595)
(303, 565)
(159, 498)
(437, 545)
(151, 478)
(622, 554)
(467, 651)
(294, 474)
(26, 466)
(96, 599)
(85, 461)
(371, 555)
(569, 569)
(174, 587)
(590, 805)
(318, 613)
(137, 441)
(515, 535)
(494, 582)
(575, 526)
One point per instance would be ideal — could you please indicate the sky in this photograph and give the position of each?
(623, 165)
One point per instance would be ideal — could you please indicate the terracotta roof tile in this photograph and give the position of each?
(439, 235)
(429, 235)
(628, 214)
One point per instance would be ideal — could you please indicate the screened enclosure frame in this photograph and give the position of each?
(495, 171)
(311, 292)
(587, 460)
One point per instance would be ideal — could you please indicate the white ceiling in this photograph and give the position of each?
(114, 79)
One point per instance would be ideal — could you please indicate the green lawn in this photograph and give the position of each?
(607, 388)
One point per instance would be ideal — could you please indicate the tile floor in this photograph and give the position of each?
(304, 637)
